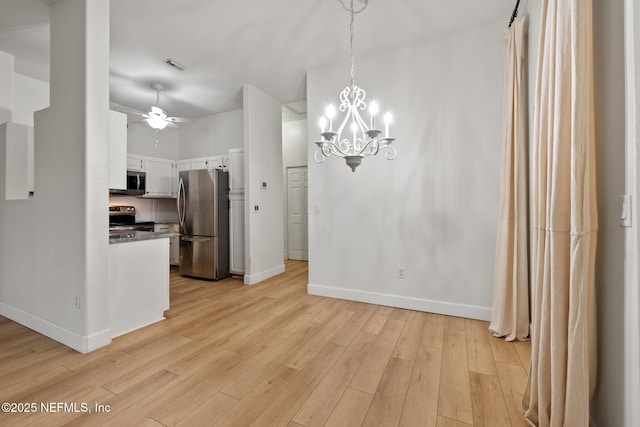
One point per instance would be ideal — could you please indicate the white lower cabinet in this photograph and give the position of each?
(174, 242)
(174, 249)
(236, 233)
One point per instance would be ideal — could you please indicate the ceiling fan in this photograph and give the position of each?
(157, 118)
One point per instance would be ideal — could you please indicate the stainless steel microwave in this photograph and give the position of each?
(136, 184)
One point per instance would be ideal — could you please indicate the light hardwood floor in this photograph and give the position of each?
(269, 355)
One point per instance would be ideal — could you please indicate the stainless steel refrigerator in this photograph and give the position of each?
(203, 213)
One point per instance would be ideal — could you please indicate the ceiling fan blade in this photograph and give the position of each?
(124, 109)
(146, 124)
(144, 120)
(179, 120)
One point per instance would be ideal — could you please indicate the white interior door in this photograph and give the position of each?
(297, 215)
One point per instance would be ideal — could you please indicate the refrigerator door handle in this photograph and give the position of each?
(181, 202)
(195, 239)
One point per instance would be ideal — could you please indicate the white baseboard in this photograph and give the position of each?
(399, 301)
(81, 343)
(252, 279)
(146, 323)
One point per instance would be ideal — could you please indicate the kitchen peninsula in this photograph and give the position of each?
(139, 279)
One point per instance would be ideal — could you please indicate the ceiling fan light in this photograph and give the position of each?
(157, 123)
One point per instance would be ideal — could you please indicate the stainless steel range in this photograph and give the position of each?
(123, 218)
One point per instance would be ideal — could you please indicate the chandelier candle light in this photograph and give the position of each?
(366, 140)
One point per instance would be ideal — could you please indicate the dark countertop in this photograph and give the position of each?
(135, 236)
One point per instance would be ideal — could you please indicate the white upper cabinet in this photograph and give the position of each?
(199, 163)
(236, 169)
(135, 162)
(117, 150)
(183, 165)
(163, 174)
(215, 162)
(219, 162)
(210, 162)
(161, 177)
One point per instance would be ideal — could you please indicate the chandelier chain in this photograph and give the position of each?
(353, 57)
(350, 8)
(352, 11)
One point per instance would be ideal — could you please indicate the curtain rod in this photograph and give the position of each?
(514, 14)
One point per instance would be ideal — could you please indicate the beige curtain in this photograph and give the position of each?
(510, 312)
(564, 220)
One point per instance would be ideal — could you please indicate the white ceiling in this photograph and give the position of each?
(224, 44)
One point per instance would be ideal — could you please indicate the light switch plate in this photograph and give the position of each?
(625, 215)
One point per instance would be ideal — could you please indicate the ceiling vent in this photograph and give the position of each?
(174, 64)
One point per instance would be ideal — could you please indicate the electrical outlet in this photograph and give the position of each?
(401, 273)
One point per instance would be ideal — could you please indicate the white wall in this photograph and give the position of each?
(141, 139)
(264, 245)
(6, 87)
(294, 143)
(29, 95)
(433, 210)
(212, 135)
(608, 27)
(54, 246)
(294, 153)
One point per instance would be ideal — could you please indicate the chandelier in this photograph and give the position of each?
(353, 139)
